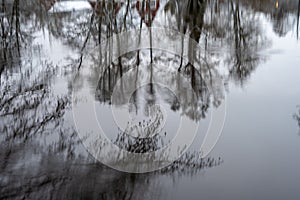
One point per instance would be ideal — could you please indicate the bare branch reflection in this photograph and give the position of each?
(41, 155)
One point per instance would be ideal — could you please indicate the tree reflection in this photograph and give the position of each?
(246, 37)
(282, 13)
(36, 144)
(10, 34)
(41, 155)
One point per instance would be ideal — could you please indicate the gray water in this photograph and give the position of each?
(49, 53)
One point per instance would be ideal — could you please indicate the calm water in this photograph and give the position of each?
(55, 57)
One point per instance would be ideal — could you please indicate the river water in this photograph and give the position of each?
(225, 65)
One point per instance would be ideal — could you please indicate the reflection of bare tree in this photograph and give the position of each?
(198, 77)
(196, 109)
(26, 107)
(10, 34)
(25, 104)
(40, 148)
(52, 176)
(50, 173)
(243, 37)
(245, 59)
(189, 17)
(30, 113)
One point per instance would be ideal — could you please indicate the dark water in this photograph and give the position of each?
(49, 53)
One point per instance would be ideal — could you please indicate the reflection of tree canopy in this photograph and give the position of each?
(283, 17)
(242, 35)
(183, 100)
(240, 31)
(246, 38)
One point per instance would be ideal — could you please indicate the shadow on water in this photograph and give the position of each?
(41, 155)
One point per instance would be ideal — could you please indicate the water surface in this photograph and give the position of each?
(51, 50)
